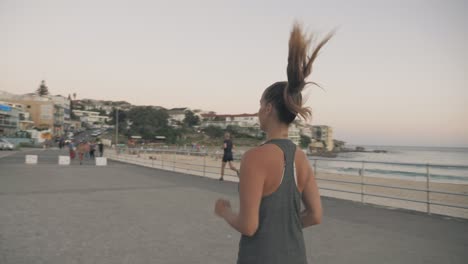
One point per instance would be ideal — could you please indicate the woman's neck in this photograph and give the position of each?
(279, 131)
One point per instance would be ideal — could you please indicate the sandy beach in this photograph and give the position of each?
(330, 184)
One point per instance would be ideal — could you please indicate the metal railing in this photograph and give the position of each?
(175, 160)
(363, 181)
(415, 185)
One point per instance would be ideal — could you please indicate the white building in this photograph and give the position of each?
(223, 121)
(90, 117)
(245, 120)
(47, 112)
(24, 118)
(9, 119)
(64, 104)
(177, 115)
(107, 108)
(323, 134)
(294, 134)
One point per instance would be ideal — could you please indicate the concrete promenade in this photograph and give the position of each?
(129, 214)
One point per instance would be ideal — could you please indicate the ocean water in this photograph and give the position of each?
(443, 164)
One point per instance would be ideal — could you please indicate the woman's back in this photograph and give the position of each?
(270, 217)
(278, 238)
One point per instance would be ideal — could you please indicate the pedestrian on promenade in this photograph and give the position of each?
(92, 149)
(276, 176)
(101, 149)
(81, 151)
(71, 149)
(87, 149)
(227, 156)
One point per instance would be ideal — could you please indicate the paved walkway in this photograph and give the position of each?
(129, 214)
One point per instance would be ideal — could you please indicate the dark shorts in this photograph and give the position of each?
(227, 157)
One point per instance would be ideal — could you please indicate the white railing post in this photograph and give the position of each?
(361, 173)
(315, 168)
(428, 189)
(204, 165)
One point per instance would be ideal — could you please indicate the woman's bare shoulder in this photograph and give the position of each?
(300, 155)
(263, 153)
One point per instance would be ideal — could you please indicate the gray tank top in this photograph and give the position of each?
(279, 237)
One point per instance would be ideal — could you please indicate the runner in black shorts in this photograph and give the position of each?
(227, 157)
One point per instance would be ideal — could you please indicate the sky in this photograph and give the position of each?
(394, 73)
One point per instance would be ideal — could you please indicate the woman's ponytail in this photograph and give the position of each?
(299, 68)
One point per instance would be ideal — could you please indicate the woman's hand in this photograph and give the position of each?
(222, 206)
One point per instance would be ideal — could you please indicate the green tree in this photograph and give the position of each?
(172, 135)
(42, 90)
(214, 131)
(148, 122)
(191, 119)
(123, 118)
(304, 141)
(233, 130)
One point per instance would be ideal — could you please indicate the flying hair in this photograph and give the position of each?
(299, 68)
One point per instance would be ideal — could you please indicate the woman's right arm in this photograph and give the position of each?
(312, 214)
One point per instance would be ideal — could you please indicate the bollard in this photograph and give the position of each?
(101, 161)
(31, 159)
(64, 160)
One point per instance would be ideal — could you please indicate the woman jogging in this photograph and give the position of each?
(276, 176)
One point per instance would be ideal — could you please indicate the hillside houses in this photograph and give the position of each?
(23, 112)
